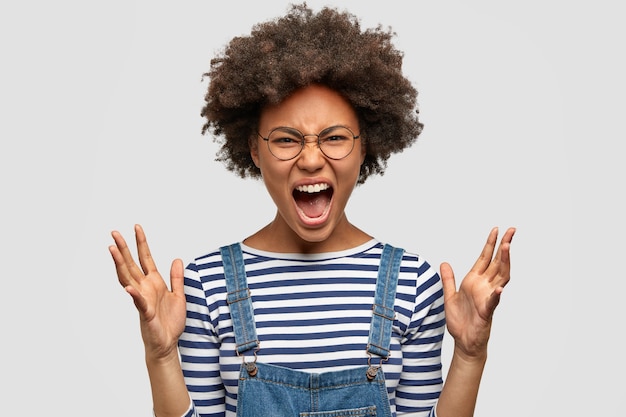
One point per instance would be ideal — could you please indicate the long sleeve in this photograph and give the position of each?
(199, 352)
(421, 379)
(313, 314)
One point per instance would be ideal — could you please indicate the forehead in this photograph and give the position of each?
(310, 109)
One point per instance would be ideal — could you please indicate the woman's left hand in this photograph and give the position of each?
(469, 310)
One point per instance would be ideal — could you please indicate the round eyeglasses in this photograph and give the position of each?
(285, 143)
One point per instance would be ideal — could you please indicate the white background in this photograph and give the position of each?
(100, 124)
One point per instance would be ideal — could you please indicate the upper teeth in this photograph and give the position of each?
(316, 188)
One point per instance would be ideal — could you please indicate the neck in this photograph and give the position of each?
(277, 236)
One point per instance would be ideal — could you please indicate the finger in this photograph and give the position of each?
(447, 280)
(145, 257)
(120, 242)
(500, 268)
(484, 259)
(123, 275)
(507, 238)
(177, 279)
(140, 302)
(508, 235)
(493, 301)
(126, 256)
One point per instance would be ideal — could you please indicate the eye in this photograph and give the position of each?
(336, 135)
(334, 138)
(285, 137)
(284, 140)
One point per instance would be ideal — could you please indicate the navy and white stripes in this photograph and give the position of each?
(313, 313)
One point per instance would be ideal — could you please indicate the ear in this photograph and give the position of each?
(253, 144)
(363, 151)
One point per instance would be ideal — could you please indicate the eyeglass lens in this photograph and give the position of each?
(335, 142)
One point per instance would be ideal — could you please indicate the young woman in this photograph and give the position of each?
(311, 315)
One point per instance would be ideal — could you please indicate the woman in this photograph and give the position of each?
(300, 317)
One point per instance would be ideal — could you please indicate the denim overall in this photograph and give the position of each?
(274, 391)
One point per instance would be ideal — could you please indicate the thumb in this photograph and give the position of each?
(177, 278)
(447, 280)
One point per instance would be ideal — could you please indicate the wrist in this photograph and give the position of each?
(162, 359)
(477, 357)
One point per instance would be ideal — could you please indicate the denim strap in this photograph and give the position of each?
(238, 298)
(384, 300)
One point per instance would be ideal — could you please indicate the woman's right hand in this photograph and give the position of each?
(161, 311)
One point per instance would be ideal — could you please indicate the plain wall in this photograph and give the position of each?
(523, 104)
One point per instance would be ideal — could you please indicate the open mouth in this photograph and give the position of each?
(313, 200)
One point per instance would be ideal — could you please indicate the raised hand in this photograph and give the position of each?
(161, 311)
(469, 310)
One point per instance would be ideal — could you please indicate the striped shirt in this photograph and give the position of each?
(312, 313)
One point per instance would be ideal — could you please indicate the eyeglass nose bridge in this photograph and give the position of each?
(316, 141)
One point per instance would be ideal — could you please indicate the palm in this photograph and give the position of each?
(469, 310)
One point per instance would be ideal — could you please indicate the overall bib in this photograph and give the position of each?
(274, 391)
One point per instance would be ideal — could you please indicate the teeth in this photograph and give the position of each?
(312, 188)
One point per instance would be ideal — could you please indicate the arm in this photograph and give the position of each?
(199, 345)
(469, 313)
(162, 319)
(423, 330)
(421, 378)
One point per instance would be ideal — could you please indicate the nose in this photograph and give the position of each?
(311, 157)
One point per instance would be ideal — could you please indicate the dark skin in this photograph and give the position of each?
(469, 310)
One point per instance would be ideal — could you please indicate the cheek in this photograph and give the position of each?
(358, 160)
(274, 173)
(348, 175)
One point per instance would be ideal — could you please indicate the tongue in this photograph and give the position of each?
(313, 205)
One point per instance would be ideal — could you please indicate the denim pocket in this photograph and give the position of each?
(351, 412)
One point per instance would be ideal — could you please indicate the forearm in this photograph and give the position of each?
(169, 392)
(460, 390)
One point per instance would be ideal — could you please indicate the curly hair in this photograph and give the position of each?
(303, 48)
